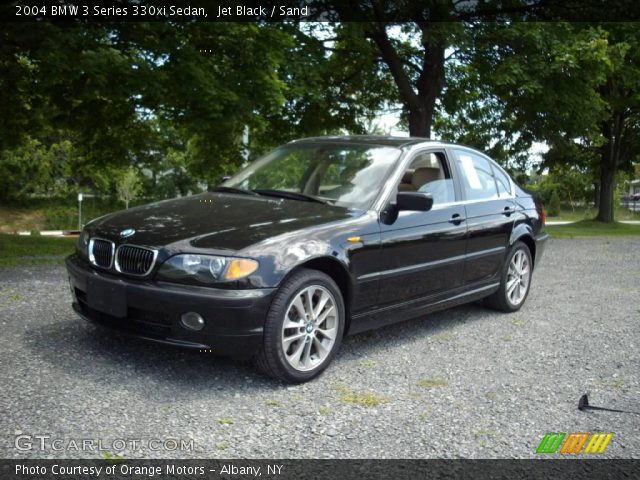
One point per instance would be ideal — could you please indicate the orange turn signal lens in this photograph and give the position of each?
(239, 268)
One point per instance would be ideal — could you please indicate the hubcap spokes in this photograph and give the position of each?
(518, 277)
(309, 328)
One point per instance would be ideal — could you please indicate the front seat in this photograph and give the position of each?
(432, 181)
(425, 175)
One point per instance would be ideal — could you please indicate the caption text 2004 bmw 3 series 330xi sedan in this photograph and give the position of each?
(319, 238)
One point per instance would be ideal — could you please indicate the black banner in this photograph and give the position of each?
(320, 10)
(316, 469)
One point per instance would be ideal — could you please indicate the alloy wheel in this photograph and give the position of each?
(518, 277)
(310, 327)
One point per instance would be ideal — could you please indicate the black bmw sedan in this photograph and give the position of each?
(320, 238)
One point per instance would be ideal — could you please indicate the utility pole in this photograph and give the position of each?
(80, 211)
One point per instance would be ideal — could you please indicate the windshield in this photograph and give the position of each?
(345, 174)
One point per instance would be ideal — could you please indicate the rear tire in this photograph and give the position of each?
(515, 280)
(304, 327)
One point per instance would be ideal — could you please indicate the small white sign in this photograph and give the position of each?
(470, 172)
(79, 197)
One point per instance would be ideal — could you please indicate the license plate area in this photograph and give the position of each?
(106, 297)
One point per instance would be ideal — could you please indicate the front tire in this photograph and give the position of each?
(515, 280)
(304, 327)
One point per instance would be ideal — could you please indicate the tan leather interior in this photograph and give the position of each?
(405, 183)
(424, 175)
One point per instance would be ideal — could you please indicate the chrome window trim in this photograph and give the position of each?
(403, 163)
(153, 261)
(494, 164)
(92, 259)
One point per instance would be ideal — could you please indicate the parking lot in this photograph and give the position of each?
(466, 382)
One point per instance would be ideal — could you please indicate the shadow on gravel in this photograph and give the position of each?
(95, 354)
(368, 343)
(90, 353)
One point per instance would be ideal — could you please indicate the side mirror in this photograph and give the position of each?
(415, 201)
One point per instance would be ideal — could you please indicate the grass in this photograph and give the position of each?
(444, 336)
(367, 363)
(486, 433)
(55, 213)
(324, 410)
(614, 383)
(581, 213)
(364, 399)
(225, 421)
(592, 228)
(16, 250)
(491, 396)
(433, 382)
(273, 403)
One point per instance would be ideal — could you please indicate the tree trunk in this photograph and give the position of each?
(418, 96)
(611, 130)
(607, 187)
(419, 122)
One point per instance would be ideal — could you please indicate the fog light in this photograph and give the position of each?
(192, 321)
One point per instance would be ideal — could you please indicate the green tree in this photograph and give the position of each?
(129, 93)
(553, 208)
(128, 186)
(571, 86)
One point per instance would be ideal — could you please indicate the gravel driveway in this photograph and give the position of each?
(466, 382)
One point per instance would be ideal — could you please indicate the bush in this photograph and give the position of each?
(58, 217)
(553, 207)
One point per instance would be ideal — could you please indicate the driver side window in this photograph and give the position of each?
(428, 173)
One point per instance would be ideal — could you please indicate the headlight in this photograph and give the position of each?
(206, 268)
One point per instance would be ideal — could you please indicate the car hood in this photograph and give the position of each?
(219, 221)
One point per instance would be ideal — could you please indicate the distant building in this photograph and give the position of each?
(632, 199)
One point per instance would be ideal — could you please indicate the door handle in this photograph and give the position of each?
(508, 211)
(456, 219)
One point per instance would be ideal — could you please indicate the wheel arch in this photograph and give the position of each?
(524, 234)
(338, 273)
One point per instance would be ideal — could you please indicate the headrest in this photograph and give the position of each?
(406, 178)
(424, 175)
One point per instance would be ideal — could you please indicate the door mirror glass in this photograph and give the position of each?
(414, 201)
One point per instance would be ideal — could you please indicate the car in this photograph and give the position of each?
(320, 238)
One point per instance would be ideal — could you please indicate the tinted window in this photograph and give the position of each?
(428, 173)
(504, 186)
(476, 174)
(347, 174)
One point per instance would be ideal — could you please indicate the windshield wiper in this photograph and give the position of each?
(241, 191)
(291, 195)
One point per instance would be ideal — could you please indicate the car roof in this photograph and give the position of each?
(380, 140)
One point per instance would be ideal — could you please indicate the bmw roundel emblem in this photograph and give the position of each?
(127, 232)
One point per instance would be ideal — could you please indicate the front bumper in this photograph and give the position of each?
(151, 310)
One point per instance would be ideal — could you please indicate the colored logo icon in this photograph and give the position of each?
(574, 443)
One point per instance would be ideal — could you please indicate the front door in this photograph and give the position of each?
(422, 253)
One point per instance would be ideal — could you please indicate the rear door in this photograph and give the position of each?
(490, 209)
